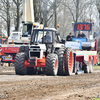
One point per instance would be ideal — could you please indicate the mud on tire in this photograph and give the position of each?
(51, 64)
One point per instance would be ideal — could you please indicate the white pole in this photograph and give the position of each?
(28, 11)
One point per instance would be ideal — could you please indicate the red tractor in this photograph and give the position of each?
(46, 53)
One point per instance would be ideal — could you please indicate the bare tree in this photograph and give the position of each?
(5, 10)
(19, 13)
(38, 11)
(98, 7)
(46, 10)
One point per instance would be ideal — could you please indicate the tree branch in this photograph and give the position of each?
(3, 18)
(85, 6)
(70, 11)
(15, 2)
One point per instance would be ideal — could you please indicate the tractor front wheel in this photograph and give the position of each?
(19, 64)
(51, 64)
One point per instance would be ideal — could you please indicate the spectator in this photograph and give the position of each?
(69, 37)
(81, 35)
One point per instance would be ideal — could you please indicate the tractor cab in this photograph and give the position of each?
(48, 37)
(45, 36)
(27, 27)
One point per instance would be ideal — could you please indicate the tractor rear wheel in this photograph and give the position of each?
(61, 57)
(68, 61)
(19, 64)
(51, 64)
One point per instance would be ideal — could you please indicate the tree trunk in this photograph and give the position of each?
(45, 13)
(77, 12)
(8, 18)
(99, 25)
(18, 15)
(55, 14)
(17, 19)
(40, 13)
(8, 27)
(35, 9)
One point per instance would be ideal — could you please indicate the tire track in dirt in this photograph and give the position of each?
(50, 87)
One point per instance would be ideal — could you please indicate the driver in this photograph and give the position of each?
(48, 37)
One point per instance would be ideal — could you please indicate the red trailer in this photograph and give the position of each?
(8, 53)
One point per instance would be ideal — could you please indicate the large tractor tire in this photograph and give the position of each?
(20, 68)
(19, 64)
(68, 61)
(21, 49)
(51, 64)
(61, 57)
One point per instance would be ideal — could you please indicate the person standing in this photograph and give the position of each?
(81, 35)
(69, 37)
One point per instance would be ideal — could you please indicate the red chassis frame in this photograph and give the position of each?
(81, 58)
(39, 62)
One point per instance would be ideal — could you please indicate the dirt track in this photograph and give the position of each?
(75, 87)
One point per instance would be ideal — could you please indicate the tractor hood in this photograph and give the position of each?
(40, 46)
